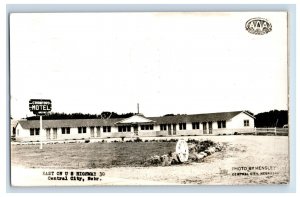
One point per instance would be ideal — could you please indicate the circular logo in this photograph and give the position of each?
(258, 26)
(182, 150)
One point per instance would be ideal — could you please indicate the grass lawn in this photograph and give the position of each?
(117, 161)
(88, 155)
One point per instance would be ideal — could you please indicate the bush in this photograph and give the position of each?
(138, 140)
(193, 141)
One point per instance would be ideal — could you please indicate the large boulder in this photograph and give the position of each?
(193, 157)
(196, 156)
(203, 153)
(166, 160)
(154, 160)
(174, 158)
(219, 147)
(212, 149)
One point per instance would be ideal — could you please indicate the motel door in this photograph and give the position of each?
(135, 129)
(92, 131)
(48, 133)
(174, 129)
(204, 128)
(169, 129)
(54, 133)
(210, 127)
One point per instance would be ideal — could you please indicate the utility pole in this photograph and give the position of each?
(41, 128)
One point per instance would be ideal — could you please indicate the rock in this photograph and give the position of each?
(174, 158)
(166, 161)
(203, 153)
(200, 156)
(155, 159)
(212, 150)
(207, 152)
(218, 147)
(196, 156)
(193, 157)
(192, 149)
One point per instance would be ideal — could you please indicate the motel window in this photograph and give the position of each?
(106, 129)
(182, 126)
(35, 131)
(222, 124)
(98, 131)
(163, 127)
(65, 130)
(246, 123)
(81, 130)
(31, 131)
(124, 128)
(195, 125)
(146, 127)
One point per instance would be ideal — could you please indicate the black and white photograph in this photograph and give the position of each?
(149, 98)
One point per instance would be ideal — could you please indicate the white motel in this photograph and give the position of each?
(135, 126)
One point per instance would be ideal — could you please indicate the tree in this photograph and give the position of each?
(273, 118)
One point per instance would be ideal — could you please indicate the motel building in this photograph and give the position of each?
(135, 126)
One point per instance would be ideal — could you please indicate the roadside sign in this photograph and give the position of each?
(182, 150)
(40, 106)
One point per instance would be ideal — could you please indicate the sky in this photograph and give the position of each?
(180, 63)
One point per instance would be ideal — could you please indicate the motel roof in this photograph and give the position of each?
(210, 117)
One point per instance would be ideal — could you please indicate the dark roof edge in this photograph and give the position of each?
(249, 114)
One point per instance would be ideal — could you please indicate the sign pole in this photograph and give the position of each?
(41, 127)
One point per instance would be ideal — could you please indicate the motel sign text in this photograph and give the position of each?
(40, 106)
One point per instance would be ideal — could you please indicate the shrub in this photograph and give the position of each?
(138, 140)
(172, 140)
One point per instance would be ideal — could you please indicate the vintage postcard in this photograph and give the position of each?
(149, 98)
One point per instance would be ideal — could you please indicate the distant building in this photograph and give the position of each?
(136, 125)
(13, 125)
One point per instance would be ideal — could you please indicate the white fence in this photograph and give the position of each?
(274, 131)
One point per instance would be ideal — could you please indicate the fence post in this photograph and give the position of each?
(255, 131)
(275, 132)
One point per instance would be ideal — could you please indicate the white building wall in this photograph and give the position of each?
(236, 125)
(214, 125)
(238, 121)
(189, 126)
(24, 135)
